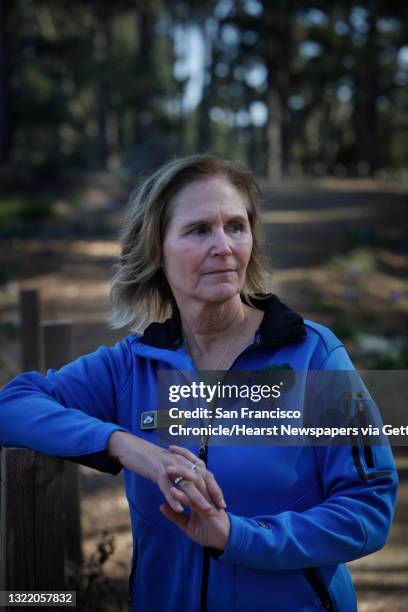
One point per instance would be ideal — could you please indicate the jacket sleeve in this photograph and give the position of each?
(353, 520)
(71, 412)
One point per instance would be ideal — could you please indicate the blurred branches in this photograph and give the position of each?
(288, 87)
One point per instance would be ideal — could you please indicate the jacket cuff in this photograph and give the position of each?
(235, 545)
(246, 539)
(99, 459)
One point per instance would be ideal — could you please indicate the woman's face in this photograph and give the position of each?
(208, 242)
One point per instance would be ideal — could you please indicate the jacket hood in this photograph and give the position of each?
(279, 325)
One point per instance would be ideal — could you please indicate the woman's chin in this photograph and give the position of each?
(221, 293)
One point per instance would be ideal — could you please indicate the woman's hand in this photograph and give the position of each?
(153, 461)
(209, 526)
(210, 529)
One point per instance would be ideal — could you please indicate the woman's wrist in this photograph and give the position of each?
(135, 454)
(114, 446)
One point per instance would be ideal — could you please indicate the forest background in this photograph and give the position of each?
(312, 96)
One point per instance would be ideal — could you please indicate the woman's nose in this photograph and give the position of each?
(221, 245)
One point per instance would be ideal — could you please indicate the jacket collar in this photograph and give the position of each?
(279, 326)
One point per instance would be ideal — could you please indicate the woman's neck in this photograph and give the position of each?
(206, 322)
(216, 333)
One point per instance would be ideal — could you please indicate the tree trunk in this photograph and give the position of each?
(103, 45)
(278, 18)
(6, 125)
(102, 122)
(370, 76)
(274, 142)
(204, 132)
(144, 102)
(365, 117)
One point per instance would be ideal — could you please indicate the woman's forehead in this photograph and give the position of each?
(210, 194)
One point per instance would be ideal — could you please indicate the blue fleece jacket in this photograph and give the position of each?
(297, 513)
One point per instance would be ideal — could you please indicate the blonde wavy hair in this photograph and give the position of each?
(140, 292)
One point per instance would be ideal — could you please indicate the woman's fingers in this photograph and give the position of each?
(192, 493)
(193, 497)
(197, 487)
(180, 496)
(165, 487)
(188, 496)
(187, 474)
(213, 487)
(179, 519)
(214, 490)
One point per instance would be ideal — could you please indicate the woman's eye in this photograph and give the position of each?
(236, 227)
(199, 230)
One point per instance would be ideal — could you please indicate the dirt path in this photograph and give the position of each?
(381, 579)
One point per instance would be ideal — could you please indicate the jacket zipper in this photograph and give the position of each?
(320, 588)
(203, 454)
(133, 572)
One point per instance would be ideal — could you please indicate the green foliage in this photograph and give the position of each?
(357, 262)
(395, 359)
(24, 209)
(345, 328)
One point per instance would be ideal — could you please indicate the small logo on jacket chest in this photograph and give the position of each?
(159, 419)
(148, 419)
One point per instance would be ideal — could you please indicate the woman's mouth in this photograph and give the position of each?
(224, 271)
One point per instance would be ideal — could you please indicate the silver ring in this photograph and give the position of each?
(177, 480)
(194, 467)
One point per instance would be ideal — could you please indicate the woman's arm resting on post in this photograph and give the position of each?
(71, 412)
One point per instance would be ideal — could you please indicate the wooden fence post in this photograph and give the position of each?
(31, 492)
(57, 341)
(30, 330)
(31, 526)
(39, 495)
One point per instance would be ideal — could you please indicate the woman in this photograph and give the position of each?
(295, 514)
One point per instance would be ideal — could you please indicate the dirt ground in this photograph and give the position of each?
(339, 251)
